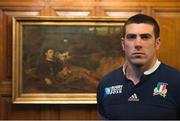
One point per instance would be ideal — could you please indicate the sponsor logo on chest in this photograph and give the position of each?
(117, 89)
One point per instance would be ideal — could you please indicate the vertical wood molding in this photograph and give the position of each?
(2, 47)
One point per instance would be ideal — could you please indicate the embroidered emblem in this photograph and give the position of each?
(113, 90)
(160, 89)
(133, 97)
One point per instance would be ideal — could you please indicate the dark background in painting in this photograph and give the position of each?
(95, 49)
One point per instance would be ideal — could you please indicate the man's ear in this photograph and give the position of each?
(122, 43)
(158, 43)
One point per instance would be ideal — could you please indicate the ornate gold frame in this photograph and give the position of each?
(19, 97)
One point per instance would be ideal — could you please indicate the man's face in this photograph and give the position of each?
(49, 54)
(140, 44)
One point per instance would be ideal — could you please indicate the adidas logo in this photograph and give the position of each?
(133, 97)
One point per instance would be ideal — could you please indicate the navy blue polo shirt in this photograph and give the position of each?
(156, 96)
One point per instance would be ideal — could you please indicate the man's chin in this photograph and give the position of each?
(138, 62)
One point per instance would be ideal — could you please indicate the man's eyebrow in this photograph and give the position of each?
(130, 34)
(145, 34)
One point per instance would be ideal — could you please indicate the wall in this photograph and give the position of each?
(167, 12)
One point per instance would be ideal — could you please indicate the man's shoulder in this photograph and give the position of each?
(170, 73)
(169, 69)
(112, 74)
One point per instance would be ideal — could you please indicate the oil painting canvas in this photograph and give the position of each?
(64, 56)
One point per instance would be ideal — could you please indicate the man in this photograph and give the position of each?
(144, 88)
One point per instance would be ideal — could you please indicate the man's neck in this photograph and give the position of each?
(134, 72)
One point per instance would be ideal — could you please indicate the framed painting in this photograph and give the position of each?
(61, 60)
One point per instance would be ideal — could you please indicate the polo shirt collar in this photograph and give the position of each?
(147, 72)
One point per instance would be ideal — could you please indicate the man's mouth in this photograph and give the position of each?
(138, 54)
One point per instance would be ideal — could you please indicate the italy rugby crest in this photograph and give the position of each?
(160, 89)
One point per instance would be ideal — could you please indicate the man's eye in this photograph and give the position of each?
(131, 36)
(145, 36)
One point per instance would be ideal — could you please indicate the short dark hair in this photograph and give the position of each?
(142, 18)
(45, 49)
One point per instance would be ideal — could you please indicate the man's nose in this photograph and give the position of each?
(138, 43)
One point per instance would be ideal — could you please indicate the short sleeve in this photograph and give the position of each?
(100, 106)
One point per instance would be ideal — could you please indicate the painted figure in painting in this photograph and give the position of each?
(48, 67)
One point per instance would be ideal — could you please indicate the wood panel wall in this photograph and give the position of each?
(167, 12)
